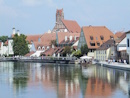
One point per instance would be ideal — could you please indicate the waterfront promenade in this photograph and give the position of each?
(115, 65)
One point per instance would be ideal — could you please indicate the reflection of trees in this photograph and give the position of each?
(20, 78)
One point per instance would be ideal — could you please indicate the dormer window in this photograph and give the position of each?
(92, 43)
(39, 48)
(102, 38)
(47, 47)
(43, 48)
(91, 37)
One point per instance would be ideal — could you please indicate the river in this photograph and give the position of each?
(37, 80)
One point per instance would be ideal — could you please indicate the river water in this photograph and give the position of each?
(37, 80)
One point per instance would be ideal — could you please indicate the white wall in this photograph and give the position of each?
(122, 45)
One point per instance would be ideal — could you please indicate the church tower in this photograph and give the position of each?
(59, 16)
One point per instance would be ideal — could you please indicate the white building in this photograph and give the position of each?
(128, 43)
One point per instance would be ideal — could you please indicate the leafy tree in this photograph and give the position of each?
(84, 49)
(53, 42)
(3, 38)
(77, 53)
(67, 50)
(20, 45)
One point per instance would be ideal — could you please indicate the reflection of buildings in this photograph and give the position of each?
(64, 81)
(98, 87)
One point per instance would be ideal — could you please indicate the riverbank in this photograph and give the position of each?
(115, 65)
(57, 60)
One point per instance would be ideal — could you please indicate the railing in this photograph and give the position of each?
(38, 58)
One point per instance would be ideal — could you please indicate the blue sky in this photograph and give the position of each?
(38, 16)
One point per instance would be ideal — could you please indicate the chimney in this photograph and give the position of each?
(70, 38)
(65, 38)
(75, 37)
(18, 33)
(13, 31)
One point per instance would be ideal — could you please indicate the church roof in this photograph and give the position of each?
(72, 26)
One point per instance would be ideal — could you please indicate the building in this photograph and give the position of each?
(63, 39)
(6, 49)
(128, 43)
(121, 47)
(94, 37)
(106, 51)
(63, 25)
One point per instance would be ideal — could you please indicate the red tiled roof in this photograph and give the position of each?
(61, 35)
(29, 54)
(33, 38)
(6, 43)
(121, 38)
(72, 26)
(49, 52)
(46, 38)
(119, 34)
(96, 32)
(0, 44)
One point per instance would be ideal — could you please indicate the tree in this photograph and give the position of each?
(3, 38)
(53, 42)
(84, 49)
(20, 45)
(67, 50)
(77, 53)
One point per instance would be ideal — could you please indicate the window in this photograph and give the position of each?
(91, 37)
(96, 38)
(98, 43)
(127, 42)
(39, 48)
(102, 38)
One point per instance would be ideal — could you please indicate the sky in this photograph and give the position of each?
(38, 16)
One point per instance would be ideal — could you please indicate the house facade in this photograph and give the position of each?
(128, 43)
(6, 49)
(106, 51)
(94, 37)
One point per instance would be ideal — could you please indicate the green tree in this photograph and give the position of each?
(77, 53)
(53, 42)
(67, 50)
(84, 49)
(20, 45)
(3, 38)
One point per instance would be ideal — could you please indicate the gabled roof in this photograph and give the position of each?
(72, 26)
(107, 44)
(121, 38)
(6, 43)
(119, 34)
(0, 44)
(46, 38)
(33, 38)
(97, 32)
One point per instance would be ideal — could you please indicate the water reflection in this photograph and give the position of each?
(31, 80)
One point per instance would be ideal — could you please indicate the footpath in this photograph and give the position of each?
(115, 65)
